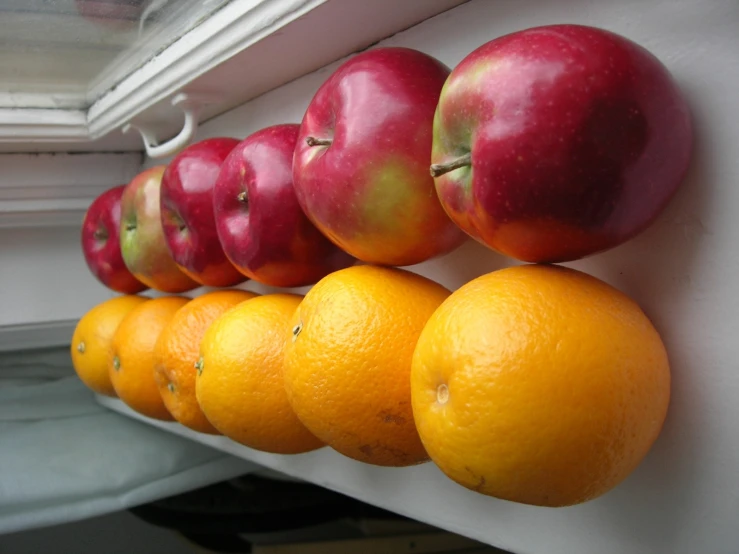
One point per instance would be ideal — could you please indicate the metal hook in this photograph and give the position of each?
(190, 106)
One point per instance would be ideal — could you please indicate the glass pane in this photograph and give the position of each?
(54, 52)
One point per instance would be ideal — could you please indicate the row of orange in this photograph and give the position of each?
(536, 384)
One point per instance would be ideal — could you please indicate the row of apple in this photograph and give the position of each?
(547, 145)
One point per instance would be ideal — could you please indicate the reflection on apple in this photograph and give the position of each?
(187, 213)
(101, 243)
(361, 162)
(556, 142)
(262, 228)
(143, 246)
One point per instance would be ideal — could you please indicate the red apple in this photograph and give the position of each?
(262, 228)
(556, 142)
(143, 246)
(187, 213)
(101, 244)
(361, 163)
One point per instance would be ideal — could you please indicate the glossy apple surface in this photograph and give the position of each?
(143, 246)
(569, 140)
(262, 228)
(187, 213)
(361, 163)
(101, 244)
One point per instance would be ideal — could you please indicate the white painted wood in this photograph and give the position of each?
(44, 281)
(50, 54)
(239, 52)
(62, 97)
(51, 48)
(31, 336)
(161, 23)
(50, 31)
(248, 48)
(112, 142)
(225, 33)
(44, 125)
(684, 497)
(56, 189)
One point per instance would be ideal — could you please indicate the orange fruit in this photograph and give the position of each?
(539, 384)
(131, 363)
(177, 352)
(240, 384)
(347, 363)
(92, 338)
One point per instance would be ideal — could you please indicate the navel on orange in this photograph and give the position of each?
(347, 361)
(131, 363)
(240, 384)
(92, 338)
(540, 385)
(177, 352)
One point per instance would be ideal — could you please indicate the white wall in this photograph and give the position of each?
(43, 276)
(43, 199)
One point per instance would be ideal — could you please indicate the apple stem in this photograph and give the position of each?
(313, 141)
(438, 170)
(242, 197)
